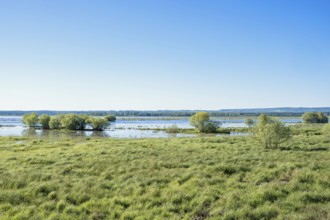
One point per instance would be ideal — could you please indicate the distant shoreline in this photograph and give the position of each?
(281, 111)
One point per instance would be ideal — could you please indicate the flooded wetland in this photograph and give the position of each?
(125, 127)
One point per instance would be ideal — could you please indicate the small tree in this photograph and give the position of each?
(44, 121)
(201, 121)
(73, 122)
(315, 117)
(111, 118)
(82, 121)
(31, 119)
(249, 122)
(98, 124)
(264, 119)
(270, 132)
(55, 122)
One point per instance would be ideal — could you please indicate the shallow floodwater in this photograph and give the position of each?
(113, 133)
(134, 127)
(120, 133)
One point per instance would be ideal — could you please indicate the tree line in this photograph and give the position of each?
(174, 113)
(67, 121)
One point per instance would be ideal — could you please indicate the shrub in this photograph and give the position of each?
(210, 127)
(83, 120)
(315, 117)
(249, 122)
(55, 122)
(270, 132)
(44, 121)
(201, 121)
(30, 120)
(98, 124)
(111, 118)
(73, 122)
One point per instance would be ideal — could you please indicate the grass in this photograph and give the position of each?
(184, 178)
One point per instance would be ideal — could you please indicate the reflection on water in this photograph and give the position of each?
(123, 128)
(62, 134)
(58, 134)
(120, 133)
(29, 132)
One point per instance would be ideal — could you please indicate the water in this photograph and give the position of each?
(134, 127)
(11, 121)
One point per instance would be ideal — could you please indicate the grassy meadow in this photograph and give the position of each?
(179, 178)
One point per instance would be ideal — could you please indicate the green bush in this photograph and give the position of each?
(270, 132)
(201, 121)
(73, 122)
(315, 117)
(55, 122)
(30, 120)
(210, 127)
(111, 118)
(98, 124)
(249, 122)
(44, 121)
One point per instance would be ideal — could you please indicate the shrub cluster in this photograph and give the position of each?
(30, 120)
(270, 132)
(111, 118)
(201, 121)
(67, 121)
(315, 117)
(249, 122)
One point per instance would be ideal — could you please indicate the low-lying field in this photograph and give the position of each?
(193, 178)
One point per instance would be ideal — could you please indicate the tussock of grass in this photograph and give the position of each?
(192, 178)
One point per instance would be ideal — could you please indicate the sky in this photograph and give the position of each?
(163, 54)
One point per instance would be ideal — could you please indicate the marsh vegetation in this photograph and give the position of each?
(186, 178)
(68, 121)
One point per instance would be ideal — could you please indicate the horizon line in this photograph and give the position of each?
(224, 109)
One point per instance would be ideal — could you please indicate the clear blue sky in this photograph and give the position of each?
(164, 54)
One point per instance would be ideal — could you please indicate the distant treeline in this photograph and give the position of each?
(290, 112)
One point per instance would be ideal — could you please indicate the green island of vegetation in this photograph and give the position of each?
(277, 173)
(67, 121)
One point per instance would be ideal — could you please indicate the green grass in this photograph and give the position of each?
(189, 178)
